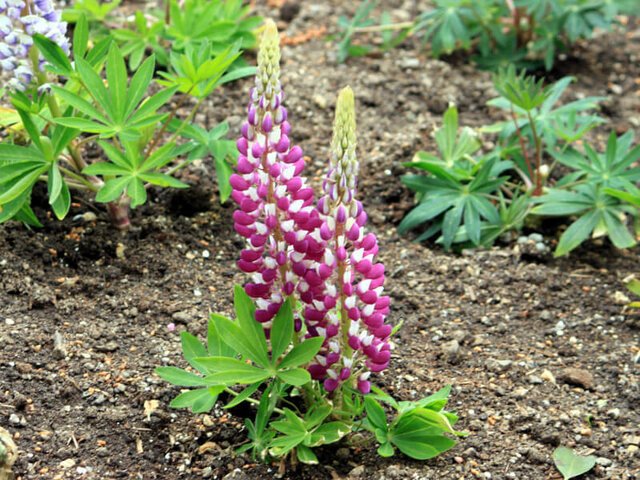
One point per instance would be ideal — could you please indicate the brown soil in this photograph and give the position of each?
(519, 320)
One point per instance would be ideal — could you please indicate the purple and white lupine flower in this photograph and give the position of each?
(276, 206)
(348, 303)
(19, 21)
(319, 254)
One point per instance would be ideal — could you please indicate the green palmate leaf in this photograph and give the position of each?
(571, 465)
(305, 455)
(95, 85)
(181, 377)
(617, 231)
(139, 84)
(301, 353)
(137, 192)
(192, 348)
(62, 203)
(84, 125)
(234, 336)
(54, 184)
(281, 330)
(419, 440)
(243, 395)
(112, 189)
(577, 232)
(162, 180)
(375, 413)
(103, 168)
(230, 370)
(296, 376)
(31, 128)
(251, 329)
(19, 185)
(52, 52)
(14, 153)
(117, 81)
(199, 400)
(216, 345)
(81, 36)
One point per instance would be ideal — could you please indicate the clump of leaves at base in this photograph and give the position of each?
(270, 374)
(525, 33)
(98, 102)
(472, 199)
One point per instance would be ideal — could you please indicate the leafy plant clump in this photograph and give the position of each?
(138, 136)
(525, 33)
(310, 325)
(473, 199)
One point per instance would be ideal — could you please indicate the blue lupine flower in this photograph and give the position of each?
(18, 23)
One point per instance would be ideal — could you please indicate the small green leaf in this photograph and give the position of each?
(22, 184)
(386, 450)
(305, 455)
(52, 52)
(375, 413)
(54, 185)
(199, 400)
(192, 348)
(181, 377)
(157, 178)
(62, 203)
(302, 353)
(296, 377)
(112, 189)
(216, 345)
(231, 370)
(117, 80)
(80, 36)
(281, 330)
(571, 465)
(243, 395)
(137, 192)
(104, 168)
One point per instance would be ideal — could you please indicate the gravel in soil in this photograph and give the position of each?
(540, 351)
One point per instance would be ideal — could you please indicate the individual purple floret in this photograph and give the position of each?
(19, 21)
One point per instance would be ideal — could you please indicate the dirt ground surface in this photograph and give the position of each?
(539, 351)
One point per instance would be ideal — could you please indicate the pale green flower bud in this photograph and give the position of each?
(342, 177)
(268, 76)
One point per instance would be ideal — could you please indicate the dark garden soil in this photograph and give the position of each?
(540, 351)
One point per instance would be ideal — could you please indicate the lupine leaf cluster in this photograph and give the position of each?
(311, 320)
(217, 23)
(525, 33)
(143, 143)
(473, 199)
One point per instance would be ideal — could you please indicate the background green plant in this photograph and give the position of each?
(472, 199)
(237, 354)
(140, 138)
(525, 33)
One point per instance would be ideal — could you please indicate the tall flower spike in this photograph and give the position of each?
(276, 210)
(348, 294)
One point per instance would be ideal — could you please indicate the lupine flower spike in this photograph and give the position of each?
(351, 297)
(276, 205)
(19, 21)
(321, 255)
